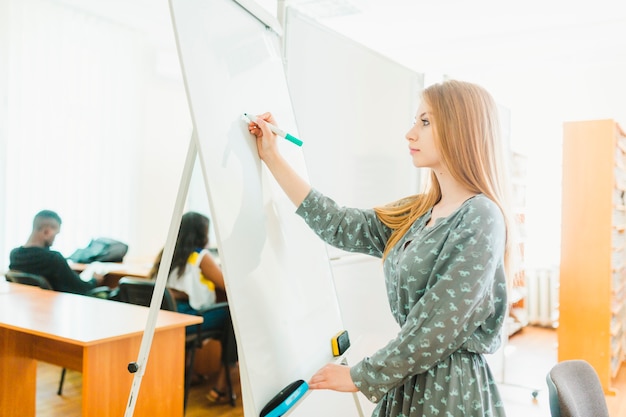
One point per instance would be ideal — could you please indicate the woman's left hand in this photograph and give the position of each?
(333, 377)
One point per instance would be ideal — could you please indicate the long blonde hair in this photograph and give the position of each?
(467, 136)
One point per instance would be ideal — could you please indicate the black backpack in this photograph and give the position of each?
(102, 250)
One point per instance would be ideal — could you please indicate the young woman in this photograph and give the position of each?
(444, 252)
(194, 279)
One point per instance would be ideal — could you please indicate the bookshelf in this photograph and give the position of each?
(518, 317)
(593, 247)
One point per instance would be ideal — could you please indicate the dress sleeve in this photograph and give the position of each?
(463, 307)
(349, 229)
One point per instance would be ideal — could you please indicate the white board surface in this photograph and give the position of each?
(354, 106)
(279, 283)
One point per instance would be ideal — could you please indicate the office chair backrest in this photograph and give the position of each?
(575, 390)
(28, 279)
(139, 291)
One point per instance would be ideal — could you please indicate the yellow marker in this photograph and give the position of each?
(340, 343)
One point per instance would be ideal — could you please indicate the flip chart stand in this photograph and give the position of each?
(139, 367)
(230, 60)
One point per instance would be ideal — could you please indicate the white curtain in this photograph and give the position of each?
(73, 113)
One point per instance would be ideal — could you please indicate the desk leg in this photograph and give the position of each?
(107, 382)
(18, 375)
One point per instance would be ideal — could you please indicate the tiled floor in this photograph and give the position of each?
(528, 357)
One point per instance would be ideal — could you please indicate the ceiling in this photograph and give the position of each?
(446, 32)
(434, 35)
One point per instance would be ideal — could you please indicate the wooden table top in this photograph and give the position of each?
(77, 319)
(141, 270)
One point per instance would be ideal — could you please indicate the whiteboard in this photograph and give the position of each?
(354, 106)
(278, 277)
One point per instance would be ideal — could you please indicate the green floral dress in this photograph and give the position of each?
(447, 291)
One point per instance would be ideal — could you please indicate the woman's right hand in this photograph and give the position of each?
(265, 138)
(294, 186)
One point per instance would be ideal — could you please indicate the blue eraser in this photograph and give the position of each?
(285, 399)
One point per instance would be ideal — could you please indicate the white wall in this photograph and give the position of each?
(123, 187)
(164, 147)
(542, 97)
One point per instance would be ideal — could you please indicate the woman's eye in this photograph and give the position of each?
(425, 122)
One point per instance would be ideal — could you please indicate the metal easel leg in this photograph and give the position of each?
(138, 368)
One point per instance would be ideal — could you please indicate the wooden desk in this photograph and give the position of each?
(115, 271)
(96, 337)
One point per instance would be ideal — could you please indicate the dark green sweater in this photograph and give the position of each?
(52, 265)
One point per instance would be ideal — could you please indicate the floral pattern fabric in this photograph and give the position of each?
(447, 290)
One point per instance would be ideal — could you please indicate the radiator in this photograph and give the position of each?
(542, 297)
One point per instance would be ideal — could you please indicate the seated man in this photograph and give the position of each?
(35, 257)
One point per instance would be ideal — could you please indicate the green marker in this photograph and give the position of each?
(276, 130)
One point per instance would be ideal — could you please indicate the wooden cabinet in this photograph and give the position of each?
(593, 247)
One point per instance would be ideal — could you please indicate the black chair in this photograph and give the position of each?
(139, 291)
(575, 390)
(25, 278)
(28, 279)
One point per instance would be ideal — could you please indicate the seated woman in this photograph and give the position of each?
(195, 279)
